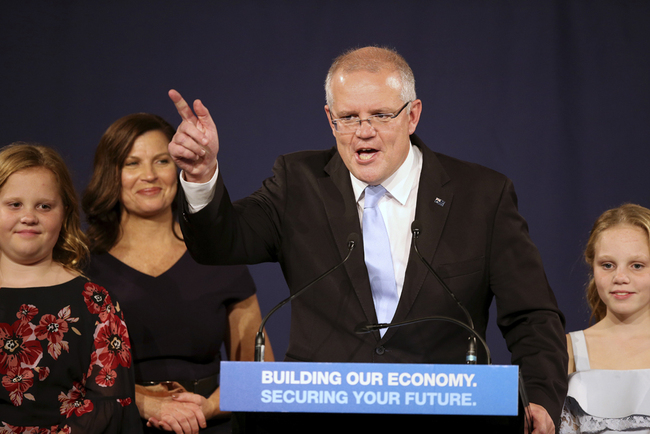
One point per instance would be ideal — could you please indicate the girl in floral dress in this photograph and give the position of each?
(65, 358)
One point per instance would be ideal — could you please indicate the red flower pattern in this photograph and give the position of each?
(43, 372)
(106, 377)
(10, 429)
(21, 351)
(112, 343)
(18, 346)
(27, 312)
(53, 329)
(98, 300)
(17, 381)
(74, 402)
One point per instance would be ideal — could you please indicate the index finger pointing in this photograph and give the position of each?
(182, 107)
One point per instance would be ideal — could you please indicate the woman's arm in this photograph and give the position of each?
(244, 319)
(569, 349)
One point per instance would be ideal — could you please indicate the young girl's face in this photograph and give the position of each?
(31, 215)
(622, 271)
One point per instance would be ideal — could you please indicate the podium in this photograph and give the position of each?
(270, 397)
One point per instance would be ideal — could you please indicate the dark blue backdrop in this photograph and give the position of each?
(556, 94)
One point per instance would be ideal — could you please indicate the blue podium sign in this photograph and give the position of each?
(369, 388)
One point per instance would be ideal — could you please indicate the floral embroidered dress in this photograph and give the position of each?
(65, 361)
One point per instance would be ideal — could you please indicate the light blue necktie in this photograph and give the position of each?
(378, 258)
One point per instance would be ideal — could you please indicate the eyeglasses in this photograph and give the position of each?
(350, 124)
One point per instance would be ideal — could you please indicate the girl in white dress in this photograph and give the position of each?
(609, 363)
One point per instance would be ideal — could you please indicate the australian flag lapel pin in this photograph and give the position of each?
(439, 202)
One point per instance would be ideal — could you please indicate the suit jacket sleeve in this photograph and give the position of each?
(242, 233)
(527, 311)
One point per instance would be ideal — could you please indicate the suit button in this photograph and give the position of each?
(380, 350)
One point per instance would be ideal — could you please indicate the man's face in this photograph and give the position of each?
(370, 155)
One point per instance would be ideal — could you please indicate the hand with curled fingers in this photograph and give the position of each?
(182, 416)
(195, 145)
(542, 422)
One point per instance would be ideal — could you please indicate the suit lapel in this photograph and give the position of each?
(343, 217)
(435, 195)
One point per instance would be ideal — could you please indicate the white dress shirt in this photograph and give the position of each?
(398, 209)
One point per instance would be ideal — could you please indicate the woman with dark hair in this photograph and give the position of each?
(181, 312)
(65, 359)
(609, 363)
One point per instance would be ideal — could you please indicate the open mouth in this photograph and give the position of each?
(366, 153)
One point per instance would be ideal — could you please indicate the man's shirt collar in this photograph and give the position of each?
(400, 183)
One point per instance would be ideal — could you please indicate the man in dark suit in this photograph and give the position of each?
(302, 217)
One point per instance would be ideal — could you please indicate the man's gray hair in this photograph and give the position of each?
(372, 59)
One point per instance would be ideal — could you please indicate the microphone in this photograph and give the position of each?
(260, 339)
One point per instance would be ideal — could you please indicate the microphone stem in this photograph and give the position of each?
(470, 358)
(259, 338)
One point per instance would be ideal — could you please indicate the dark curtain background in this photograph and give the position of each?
(555, 94)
